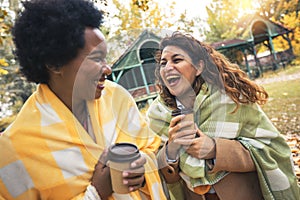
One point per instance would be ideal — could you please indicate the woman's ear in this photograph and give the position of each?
(200, 68)
(54, 69)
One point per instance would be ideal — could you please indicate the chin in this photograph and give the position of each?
(175, 93)
(98, 95)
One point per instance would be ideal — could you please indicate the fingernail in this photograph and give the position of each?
(133, 164)
(125, 182)
(125, 174)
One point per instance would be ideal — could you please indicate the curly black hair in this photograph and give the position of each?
(50, 33)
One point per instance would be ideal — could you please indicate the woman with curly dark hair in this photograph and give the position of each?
(231, 150)
(57, 146)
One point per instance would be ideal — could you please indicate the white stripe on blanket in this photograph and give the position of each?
(226, 129)
(265, 133)
(278, 180)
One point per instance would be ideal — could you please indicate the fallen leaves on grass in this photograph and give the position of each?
(293, 141)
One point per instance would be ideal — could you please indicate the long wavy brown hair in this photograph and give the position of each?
(218, 70)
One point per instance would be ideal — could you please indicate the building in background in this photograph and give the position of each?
(134, 69)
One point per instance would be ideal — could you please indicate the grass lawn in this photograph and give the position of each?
(283, 107)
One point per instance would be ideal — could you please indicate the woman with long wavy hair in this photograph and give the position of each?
(233, 151)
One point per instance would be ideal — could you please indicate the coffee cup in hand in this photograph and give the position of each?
(120, 156)
(189, 116)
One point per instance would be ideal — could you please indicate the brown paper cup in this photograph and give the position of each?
(116, 170)
(189, 116)
(120, 156)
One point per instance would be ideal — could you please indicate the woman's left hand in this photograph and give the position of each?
(202, 147)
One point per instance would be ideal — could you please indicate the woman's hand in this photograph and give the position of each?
(134, 177)
(179, 135)
(202, 147)
(101, 178)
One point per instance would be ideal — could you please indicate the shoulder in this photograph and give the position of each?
(157, 104)
(112, 88)
(158, 109)
(116, 96)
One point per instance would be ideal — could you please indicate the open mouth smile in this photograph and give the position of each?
(173, 79)
(100, 82)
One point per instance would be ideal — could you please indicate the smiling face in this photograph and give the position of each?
(93, 69)
(177, 71)
(83, 77)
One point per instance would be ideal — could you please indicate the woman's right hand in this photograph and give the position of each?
(178, 136)
(101, 178)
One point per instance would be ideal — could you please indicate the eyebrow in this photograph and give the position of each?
(178, 54)
(96, 53)
(174, 55)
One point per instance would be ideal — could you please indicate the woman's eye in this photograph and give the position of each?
(162, 64)
(98, 60)
(177, 60)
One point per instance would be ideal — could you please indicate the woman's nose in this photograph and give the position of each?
(169, 66)
(107, 69)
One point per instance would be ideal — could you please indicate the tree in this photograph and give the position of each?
(14, 89)
(5, 40)
(224, 15)
(140, 14)
(292, 21)
(276, 9)
(126, 22)
(222, 19)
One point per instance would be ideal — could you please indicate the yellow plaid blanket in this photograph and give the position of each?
(47, 154)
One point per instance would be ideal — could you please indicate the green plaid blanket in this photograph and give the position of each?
(249, 125)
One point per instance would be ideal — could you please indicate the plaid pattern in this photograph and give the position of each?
(47, 154)
(250, 126)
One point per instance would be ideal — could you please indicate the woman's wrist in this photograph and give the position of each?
(212, 152)
(171, 153)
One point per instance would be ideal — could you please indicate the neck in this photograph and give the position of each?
(80, 111)
(77, 107)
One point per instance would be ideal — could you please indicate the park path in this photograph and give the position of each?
(278, 77)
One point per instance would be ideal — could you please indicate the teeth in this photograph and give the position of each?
(99, 82)
(172, 77)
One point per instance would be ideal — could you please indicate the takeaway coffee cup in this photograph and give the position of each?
(120, 156)
(189, 116)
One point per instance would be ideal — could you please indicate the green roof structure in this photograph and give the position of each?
(259, 30)
(134, 69)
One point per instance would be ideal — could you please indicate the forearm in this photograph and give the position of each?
(232, 156)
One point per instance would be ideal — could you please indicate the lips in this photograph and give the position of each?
(100, 83)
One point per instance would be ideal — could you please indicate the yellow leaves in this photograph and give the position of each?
(141, 4)
(3, 14)
(141, 14)
(3, 71)
(3, 63)
(291, 20)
